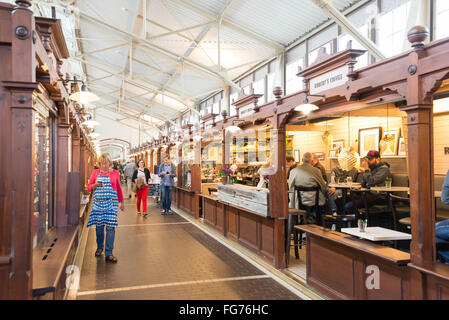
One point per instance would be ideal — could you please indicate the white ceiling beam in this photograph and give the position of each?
(111, 69)
(85, 54)
(328, 7)
(180, 30)
(240, 29)
(160, 49)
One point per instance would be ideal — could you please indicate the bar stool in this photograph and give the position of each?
(295, 217)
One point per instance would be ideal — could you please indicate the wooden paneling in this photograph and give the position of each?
(232, 223)
(323, 257)
(266, 238)
(209, 212)
(220, 217)
(247, 233)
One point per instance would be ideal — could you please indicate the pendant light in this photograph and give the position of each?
(327, 138)
(307, 107)
(84, 96)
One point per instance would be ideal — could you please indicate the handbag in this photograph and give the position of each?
(139, 184)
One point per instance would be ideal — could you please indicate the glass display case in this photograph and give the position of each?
(211, 162)
(250, 150)
(187, 164)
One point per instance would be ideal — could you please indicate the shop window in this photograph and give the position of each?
(293, 83)
(362, 61)
(313, 55)
(251, 155)
(442, 19)
(393, 30)
(42, 162)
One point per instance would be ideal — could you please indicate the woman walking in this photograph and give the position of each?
(142, 194)
(105, 183)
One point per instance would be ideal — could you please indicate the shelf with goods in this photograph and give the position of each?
(250, 151)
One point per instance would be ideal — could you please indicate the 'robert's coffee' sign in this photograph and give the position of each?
(329, 80)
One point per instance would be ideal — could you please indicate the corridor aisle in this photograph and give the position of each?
(167, 257)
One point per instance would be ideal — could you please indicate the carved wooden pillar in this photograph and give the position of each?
(17, 199)
(278, 188)
(420, 150)
(151, 161)
(61, 173)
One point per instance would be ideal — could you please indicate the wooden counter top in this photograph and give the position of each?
(209, 197)
(390, 254)
(185, 189)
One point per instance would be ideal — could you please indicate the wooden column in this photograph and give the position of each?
(61, 173)
(151, 161)
(420, 150)
(278, 188)
(18, 78)
(76, 149)
(82, 163)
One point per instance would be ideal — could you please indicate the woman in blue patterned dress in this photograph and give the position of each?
(108, 196)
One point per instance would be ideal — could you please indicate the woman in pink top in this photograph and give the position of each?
(105, 183)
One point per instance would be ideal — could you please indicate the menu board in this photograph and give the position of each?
(154, 189)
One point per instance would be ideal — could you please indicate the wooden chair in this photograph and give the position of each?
(310, 209)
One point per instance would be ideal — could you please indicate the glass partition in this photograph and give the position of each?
(249, 155)
(211, 161)
(42, 159)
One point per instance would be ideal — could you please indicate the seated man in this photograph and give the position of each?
(375, 173)
(317, 164)
(306, 175)
(339, 174)
(291, 164)
(442, 227)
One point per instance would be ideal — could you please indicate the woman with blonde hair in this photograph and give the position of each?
(105, 183)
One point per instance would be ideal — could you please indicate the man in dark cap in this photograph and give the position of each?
(375, 172)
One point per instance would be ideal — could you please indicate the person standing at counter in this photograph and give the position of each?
(306, 175)
(142, 194)
(375, 172)
(105, 184)
(167, 173)
(317, 164)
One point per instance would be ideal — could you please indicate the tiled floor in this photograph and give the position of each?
(167, 257)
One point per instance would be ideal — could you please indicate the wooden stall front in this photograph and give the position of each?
(408, 83)
(47, 157)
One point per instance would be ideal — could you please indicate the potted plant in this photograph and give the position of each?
(224, 174)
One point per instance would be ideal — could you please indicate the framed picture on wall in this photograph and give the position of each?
(369, 140)
(389, 143)
(337, 146)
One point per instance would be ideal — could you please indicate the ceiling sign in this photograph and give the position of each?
(329, 80)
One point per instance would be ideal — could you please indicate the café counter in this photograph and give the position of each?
(342, 266)
(253, 230)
